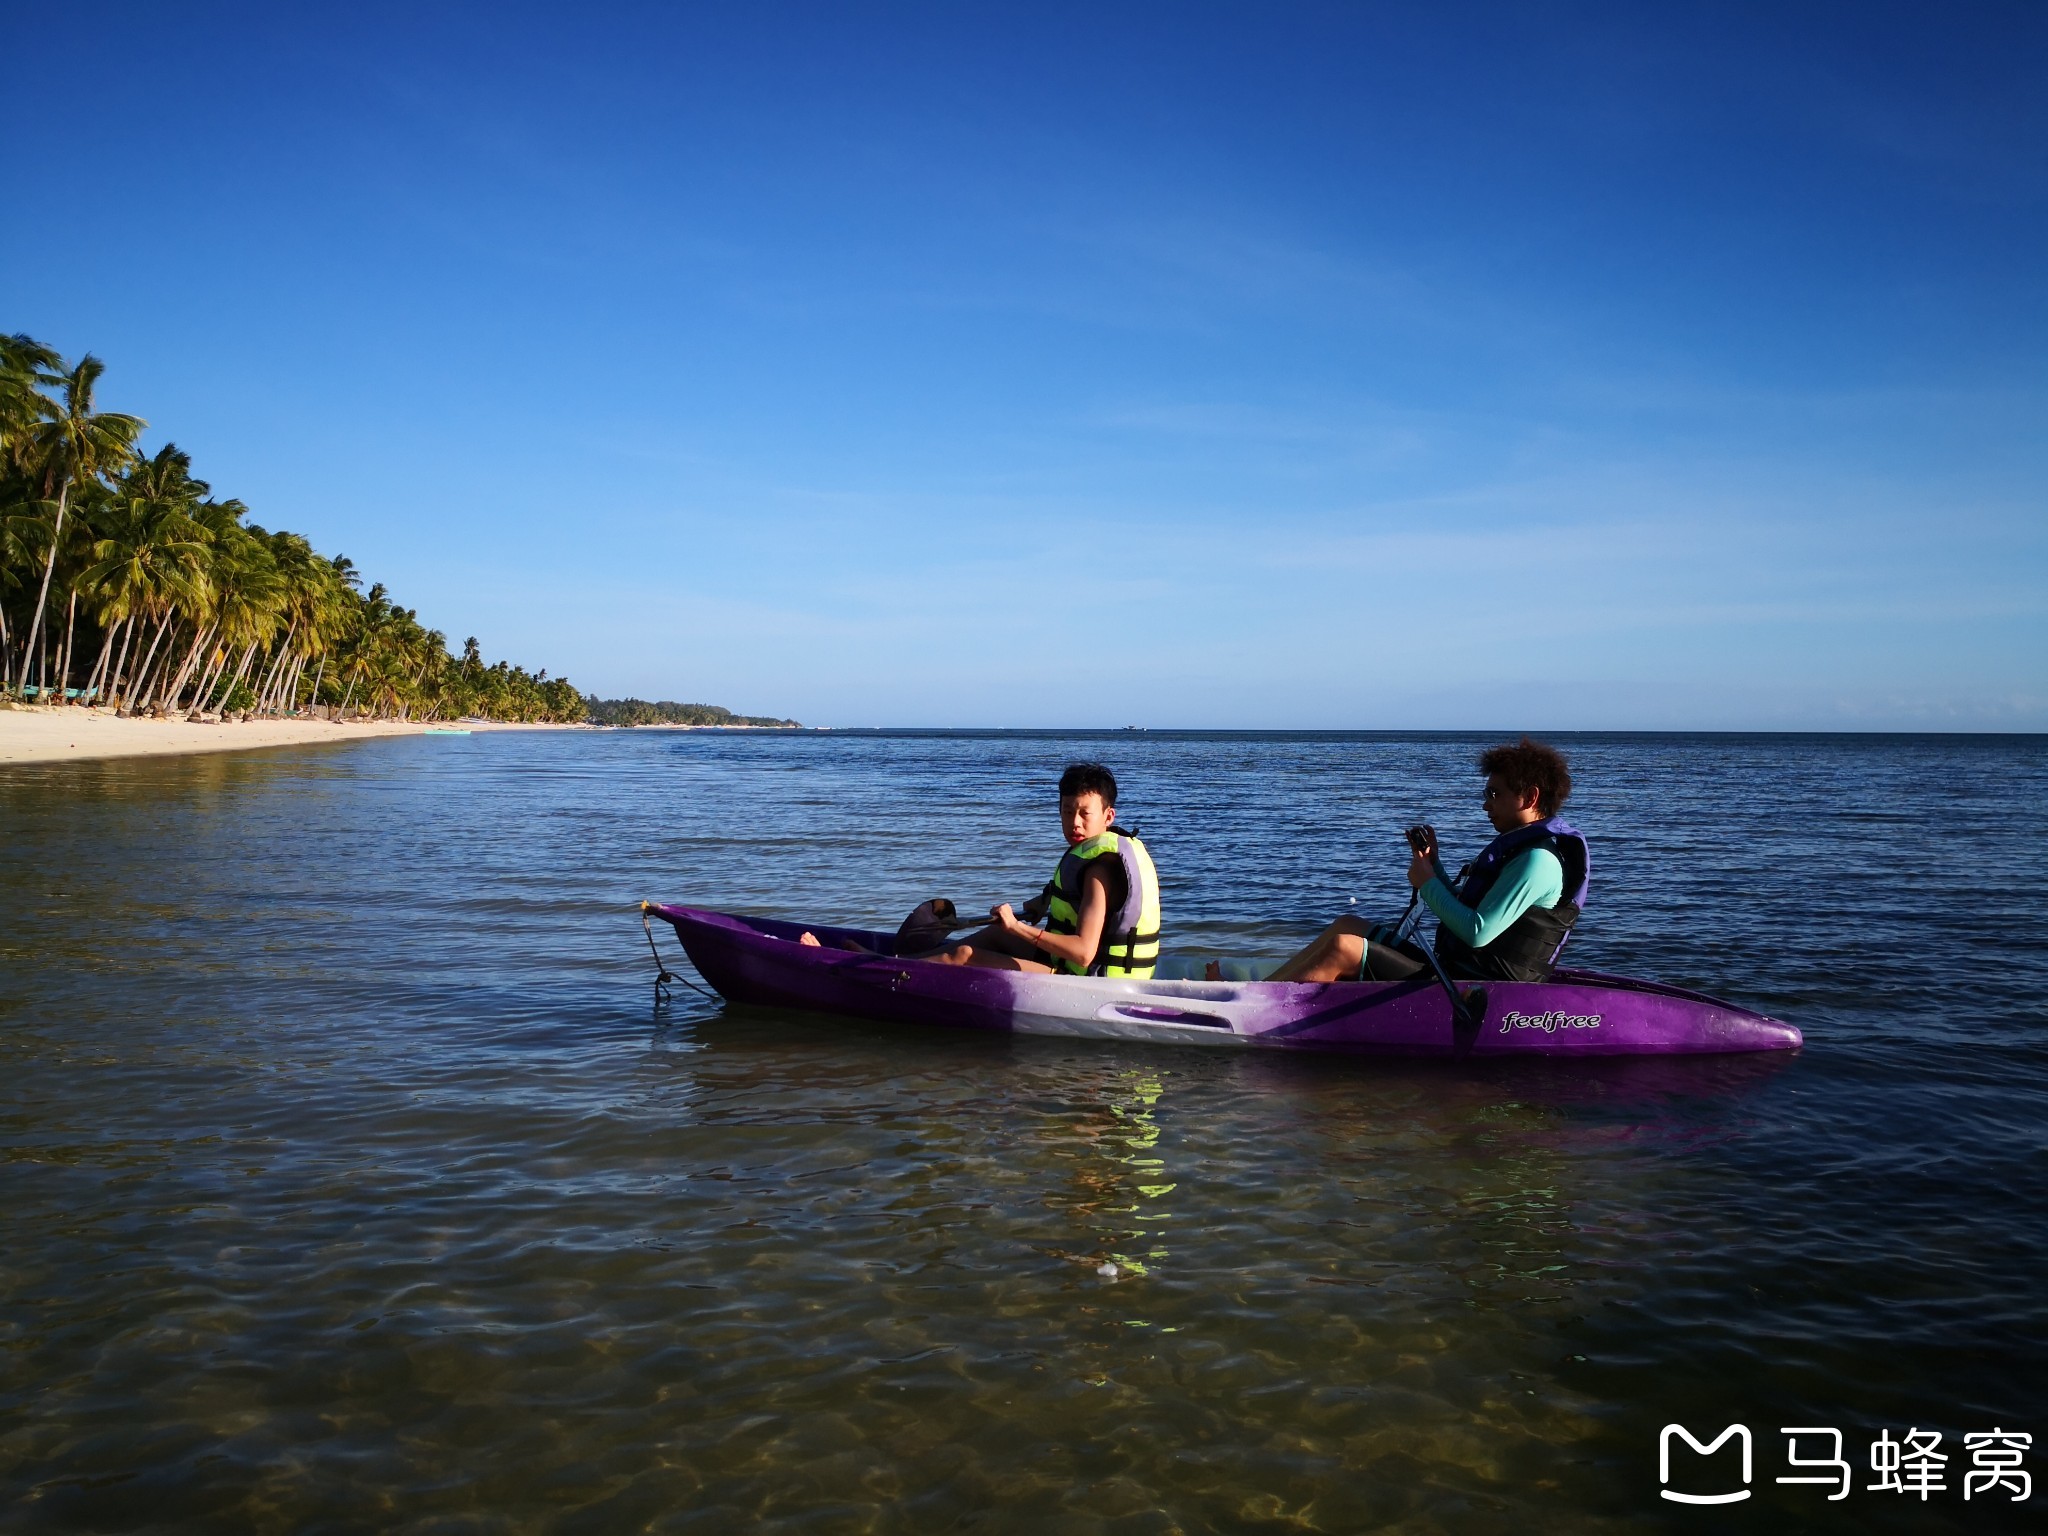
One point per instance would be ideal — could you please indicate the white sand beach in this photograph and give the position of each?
(31, 735)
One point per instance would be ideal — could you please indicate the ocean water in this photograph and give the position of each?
(353, 1179)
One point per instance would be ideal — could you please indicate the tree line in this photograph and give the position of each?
(125, 582)
(668, 712)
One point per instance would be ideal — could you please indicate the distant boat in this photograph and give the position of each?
(443, 730)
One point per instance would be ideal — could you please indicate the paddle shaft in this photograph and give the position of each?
(1411, 921)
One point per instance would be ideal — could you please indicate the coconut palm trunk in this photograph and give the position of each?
(120, 667)
(144, 673)
(270, 679)
(221, 652)
(95, 679)
(234, 682)
(128, 680)
(153, 696)
(146, 666)
(286, 698)
(220, 696)
(170, 696)
(64, 650)
(158, 691)
(35, 625)
(209, 678)
(119, 685)
(240, 672)
(277, 667)
(272, 675)
(88, 689)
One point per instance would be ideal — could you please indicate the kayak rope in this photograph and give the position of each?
(662, 974)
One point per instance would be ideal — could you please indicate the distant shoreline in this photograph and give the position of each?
(63, 735)
(642, 712)
(677, 725)
(31, 734)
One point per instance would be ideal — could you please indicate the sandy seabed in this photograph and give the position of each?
(32, 735)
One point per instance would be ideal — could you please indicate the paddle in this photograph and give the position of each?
(1465, 1022)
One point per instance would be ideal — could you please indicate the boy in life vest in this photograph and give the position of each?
(1509, 911)
(1097, 916)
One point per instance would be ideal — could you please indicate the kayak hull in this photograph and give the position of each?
(1575, 1013)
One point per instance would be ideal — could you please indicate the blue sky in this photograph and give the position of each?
(1548, 366)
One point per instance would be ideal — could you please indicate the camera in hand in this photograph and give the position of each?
(1422, 838)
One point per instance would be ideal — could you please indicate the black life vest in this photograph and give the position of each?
(1529, 947)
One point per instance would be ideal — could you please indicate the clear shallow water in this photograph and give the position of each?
(352, 1182)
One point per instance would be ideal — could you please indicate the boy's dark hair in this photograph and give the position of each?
(1082, 777)
(1530, 765)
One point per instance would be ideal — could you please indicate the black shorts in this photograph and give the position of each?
(1390, 962)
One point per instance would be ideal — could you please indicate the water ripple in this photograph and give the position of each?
(354, 1182)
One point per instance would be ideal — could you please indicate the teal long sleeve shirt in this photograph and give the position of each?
(1531, 879)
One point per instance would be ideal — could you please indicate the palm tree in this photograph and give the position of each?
(74, 443)
(152, 562)
(368, 634)
(321, 604)
(24, 535)
(219, 522)
(307, 585)
(145, 563)
(90, 510)
(25, 365)
(249, 600)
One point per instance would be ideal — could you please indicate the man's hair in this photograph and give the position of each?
(1082, 777)
(1530, 765)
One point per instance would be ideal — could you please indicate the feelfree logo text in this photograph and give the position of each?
(1550, 1023)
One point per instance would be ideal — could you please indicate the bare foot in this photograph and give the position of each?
(810, 941)
(1213, 971)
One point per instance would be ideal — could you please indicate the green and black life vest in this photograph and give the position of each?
(1130, 935)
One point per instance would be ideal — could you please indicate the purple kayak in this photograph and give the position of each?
(1574, 1013)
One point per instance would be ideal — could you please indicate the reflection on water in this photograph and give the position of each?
(1117, 1179)
(350, 1184)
